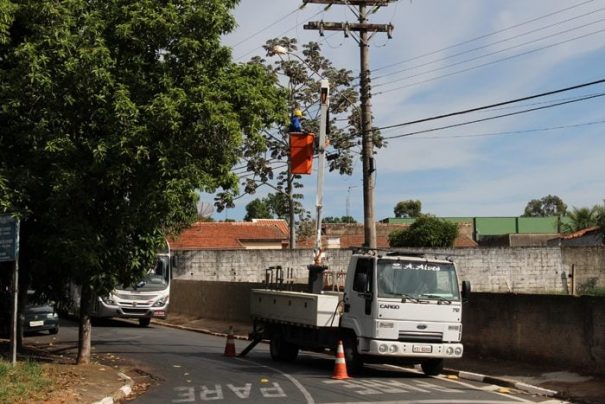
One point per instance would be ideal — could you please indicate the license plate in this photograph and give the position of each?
(422, 348)
(36, 323)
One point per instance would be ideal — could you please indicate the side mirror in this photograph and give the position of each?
(466, 289)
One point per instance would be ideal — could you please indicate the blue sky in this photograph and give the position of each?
(447, 56)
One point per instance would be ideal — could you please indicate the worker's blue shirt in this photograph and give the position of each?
(295, 125)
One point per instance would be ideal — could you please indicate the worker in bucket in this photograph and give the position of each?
(295, 121)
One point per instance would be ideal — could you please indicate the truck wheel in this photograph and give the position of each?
(144, 321)
(432, 367)
(352, 357)
(282, 350)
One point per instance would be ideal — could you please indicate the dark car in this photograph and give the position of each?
(37, 317)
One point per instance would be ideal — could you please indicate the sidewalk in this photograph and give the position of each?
(532, 378)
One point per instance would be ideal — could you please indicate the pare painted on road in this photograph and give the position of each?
(191, 394)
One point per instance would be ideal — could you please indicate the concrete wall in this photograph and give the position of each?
(499, 270)
(559, 330)
(587, 265)
(250, 265)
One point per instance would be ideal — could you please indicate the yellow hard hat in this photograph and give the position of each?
(297, 112)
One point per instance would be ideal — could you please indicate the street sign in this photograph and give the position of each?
(9, 242)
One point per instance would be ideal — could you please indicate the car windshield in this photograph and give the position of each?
(417, 280)
(157, 279)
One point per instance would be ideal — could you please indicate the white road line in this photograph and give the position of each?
(295, 382)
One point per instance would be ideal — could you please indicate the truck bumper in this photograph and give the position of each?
(409, 349)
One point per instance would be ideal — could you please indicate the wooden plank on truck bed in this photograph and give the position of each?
(306, 309)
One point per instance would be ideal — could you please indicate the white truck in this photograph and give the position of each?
(396, 307)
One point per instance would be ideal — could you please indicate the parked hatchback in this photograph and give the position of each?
(37, 317)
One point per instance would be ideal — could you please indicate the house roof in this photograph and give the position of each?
(580, 233)
(229, 235)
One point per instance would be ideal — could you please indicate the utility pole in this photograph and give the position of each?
(366, 31)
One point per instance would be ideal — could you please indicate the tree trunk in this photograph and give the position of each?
(85, 327)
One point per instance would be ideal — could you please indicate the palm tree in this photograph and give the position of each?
(581, 218)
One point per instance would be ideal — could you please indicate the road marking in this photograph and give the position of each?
(241, 392)
(295, 382)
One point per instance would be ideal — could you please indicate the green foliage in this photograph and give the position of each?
(113, 114)
(342, 219)
(582, 218)
(257, 209)
(408, 208)
(300, 77)
(550, 205)
(426, 231)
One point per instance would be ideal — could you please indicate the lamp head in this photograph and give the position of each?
(280, 50)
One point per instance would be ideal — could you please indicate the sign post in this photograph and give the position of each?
(9, 251)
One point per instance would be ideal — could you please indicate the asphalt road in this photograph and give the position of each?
(191, 368)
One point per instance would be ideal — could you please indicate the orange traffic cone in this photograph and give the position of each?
(340, 366)
(230, 346)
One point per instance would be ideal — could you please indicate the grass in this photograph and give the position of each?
(23, 382)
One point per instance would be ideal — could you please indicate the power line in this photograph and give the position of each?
(490, 63)
(493, 117)
(515, 132)
(483, 36)
(491, 44)
(280, 19)
(282, 34)
(498, 104)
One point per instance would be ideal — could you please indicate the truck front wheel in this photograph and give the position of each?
(144, 321)
(282, 350)
(352, 357)
(432, 367)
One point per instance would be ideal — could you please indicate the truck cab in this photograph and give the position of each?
(402, 308)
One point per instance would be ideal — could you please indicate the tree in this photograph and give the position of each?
(426, 231)
(408, 208)
(257, 209)
(581, 218)
(113, 114)
(301, 80)
(550, 205)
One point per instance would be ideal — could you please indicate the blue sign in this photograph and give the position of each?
(9, 238)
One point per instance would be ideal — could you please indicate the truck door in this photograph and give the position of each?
(359, 298)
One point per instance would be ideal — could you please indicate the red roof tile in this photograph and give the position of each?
(227, 235)
(580, 233)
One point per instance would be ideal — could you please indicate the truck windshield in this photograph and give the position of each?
(156, 279)
(417, 280)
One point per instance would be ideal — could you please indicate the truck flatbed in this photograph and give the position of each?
(300, 308)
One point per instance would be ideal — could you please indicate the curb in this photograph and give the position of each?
(502, 382)
(513, 384)
(120, 394)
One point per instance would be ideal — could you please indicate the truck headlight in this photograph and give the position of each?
(109, 300)
(161, 301)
